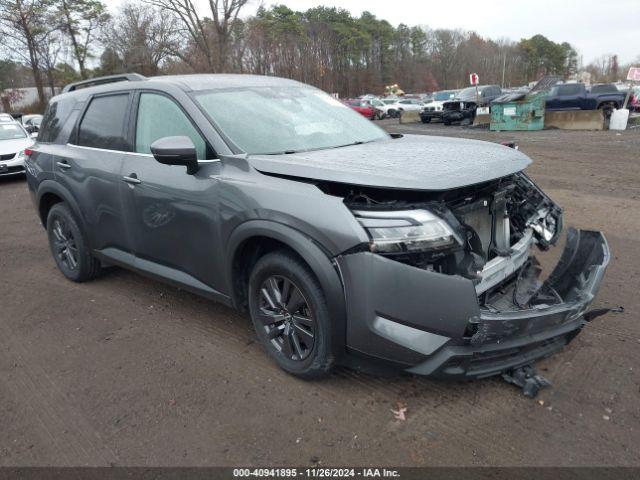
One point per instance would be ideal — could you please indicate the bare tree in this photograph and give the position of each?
(24, 28)
(142, 37)
(210, 36)
(80, 20)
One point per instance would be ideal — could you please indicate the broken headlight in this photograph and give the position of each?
(403, 231)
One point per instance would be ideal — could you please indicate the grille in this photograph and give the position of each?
(8, 156)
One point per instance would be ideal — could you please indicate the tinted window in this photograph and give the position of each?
(103, 124)
(54, 118)
(158, 117)
(573, 89)
(604, 88)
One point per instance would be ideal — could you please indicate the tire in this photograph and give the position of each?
(392, 113)
(69, 245)
(607, 109)
(426, 119)
(294, 328)
(446, 122)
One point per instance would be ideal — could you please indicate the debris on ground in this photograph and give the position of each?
(527, 379)
(399, 414)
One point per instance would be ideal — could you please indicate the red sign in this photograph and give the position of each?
(634, 74)
(474, 79)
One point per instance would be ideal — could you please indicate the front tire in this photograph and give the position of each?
(290, 314)
(69, 245)
(426, 119)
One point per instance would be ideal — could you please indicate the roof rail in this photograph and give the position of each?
(92, 82)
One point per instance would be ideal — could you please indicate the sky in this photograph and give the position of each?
(593, 27)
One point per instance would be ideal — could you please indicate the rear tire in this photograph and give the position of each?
(426, 120)
(69, 245)
(290, 314)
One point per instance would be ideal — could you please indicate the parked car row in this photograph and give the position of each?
(375, 108)
(461, 106)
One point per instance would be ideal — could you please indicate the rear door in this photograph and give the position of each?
(89, 167)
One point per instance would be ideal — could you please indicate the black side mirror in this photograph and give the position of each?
(176, 151)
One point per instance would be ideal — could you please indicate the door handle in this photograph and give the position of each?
(63, 164)
(132, 179)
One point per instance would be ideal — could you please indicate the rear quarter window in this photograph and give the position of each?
(55, 118)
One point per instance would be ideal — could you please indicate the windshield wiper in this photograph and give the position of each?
(290, 152)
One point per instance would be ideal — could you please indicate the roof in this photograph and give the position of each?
(195, 82)
(211, 81)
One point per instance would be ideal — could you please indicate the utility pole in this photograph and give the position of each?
(504, 66)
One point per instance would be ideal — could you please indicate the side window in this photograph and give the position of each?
(158, 117)
(571, 89)
(103, 124)
(54, 118)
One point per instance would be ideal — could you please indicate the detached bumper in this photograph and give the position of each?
(431, 324)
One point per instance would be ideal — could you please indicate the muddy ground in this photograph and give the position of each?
(128, 371)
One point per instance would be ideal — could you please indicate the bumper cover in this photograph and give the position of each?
(14, 166)
(431, 324)
(431, 114)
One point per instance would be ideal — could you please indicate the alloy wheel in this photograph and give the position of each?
(64, 244)
(286, 318)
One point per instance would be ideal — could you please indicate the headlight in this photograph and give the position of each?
(406, 231)
(20, 155)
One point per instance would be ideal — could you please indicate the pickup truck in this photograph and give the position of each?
(574, 96)
(462, 108)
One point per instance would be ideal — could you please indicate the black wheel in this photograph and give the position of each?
(446, 122)
(426, 119)
(290, 315)
(392, 113)
(607, 109)
(69, 246)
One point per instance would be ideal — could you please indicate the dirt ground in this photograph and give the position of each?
(128, 371)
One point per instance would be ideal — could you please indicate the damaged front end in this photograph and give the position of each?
(448, 285)
(458, 111)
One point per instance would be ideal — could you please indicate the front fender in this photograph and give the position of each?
(313, 254)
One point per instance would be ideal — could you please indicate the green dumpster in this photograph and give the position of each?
(518, 112)
(522, 110)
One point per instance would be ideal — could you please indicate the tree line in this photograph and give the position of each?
(48, 43)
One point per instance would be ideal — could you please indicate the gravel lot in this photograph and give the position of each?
(128, 371)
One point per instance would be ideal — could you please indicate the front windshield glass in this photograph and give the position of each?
(271, 120)
(468, 93)
(11, 131)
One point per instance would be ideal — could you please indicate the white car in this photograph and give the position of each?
(14, 139)
(405, 104)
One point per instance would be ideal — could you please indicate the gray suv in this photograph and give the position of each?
(345, 244)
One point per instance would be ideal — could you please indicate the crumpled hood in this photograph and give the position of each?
(15, 145)
(415, 162)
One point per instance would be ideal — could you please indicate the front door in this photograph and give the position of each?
(173, 215)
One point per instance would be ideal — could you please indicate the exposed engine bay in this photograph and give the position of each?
(483, 232)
